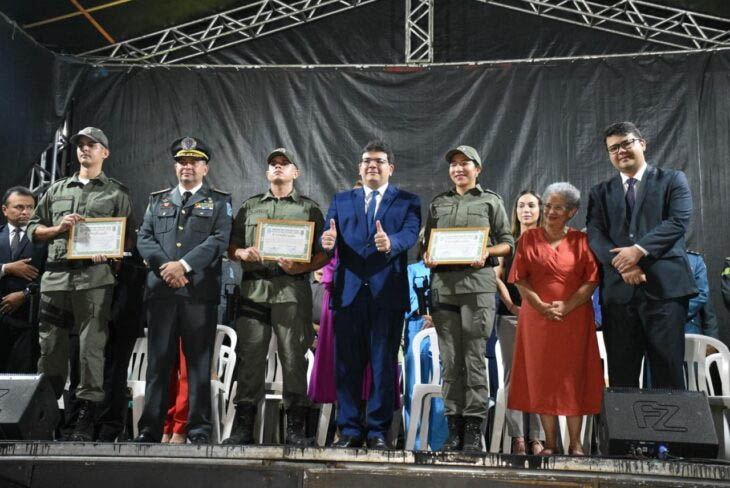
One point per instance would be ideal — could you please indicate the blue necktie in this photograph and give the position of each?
(630, 198)
(371, 212)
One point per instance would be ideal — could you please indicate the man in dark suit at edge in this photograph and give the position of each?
(636, 225)
(21, 263)
(373, 227)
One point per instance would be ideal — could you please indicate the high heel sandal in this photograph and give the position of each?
(518, 446)
(576, 451)
(536, 447)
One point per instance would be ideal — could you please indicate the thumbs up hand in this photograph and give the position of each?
(329, 237)
(382, 242)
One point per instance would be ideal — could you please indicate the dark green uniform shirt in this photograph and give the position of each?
(101, 197)
(476, 208)
(284, 288)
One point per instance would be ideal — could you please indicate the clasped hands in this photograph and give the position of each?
(253, 255)
(382, 241)
(626, 263)
(555, 310)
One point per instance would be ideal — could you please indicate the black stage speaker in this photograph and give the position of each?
(639, 422)
(28, 408)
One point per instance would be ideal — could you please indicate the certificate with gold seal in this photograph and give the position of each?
(289, 239)
(97, 236)
(458, 245)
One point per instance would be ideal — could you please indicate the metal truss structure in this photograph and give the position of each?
(419, 31)
(651, 22)
(53, 161)
(219, 31)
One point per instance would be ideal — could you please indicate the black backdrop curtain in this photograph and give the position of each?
(533, 124)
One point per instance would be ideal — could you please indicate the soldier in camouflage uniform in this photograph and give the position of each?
(275, 295)
(77, 293)
(464, 295)
(182, 239)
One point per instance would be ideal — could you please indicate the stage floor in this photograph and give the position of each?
(106, 465)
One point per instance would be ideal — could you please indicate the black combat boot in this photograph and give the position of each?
(295, 427)
(84, 430)
(242, 432)
(473, 434)
(456, 433)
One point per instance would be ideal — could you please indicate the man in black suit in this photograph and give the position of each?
(183, 237)
(21, 264)
(636, 225)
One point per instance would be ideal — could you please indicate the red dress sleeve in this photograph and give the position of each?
(520, 266)
(590, 269)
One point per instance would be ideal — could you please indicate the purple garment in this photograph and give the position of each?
(322, 382)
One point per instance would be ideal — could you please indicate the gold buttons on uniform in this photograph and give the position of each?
(182, 212)
(179, 244)
(180, 227)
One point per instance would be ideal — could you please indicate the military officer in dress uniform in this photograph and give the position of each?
(77, 293)
(463, 297)
(182, 239)
(275, 295)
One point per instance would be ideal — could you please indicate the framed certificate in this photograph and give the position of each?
(458, 245)
(97, 236)
(290, 239)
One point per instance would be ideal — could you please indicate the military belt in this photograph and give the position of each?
(69, 265)
(269, 273)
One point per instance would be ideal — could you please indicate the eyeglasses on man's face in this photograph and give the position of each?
(622, 145)
(367, 161)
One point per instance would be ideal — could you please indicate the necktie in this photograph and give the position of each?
(371, 211)
(15, 243)
(630, 198)
(186, 197)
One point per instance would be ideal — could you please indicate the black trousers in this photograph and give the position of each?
(19, 349)
(654, 327)
(169, 320)
(117, 352)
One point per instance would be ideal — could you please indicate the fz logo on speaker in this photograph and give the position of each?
(657, 416)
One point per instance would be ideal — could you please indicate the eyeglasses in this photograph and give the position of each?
(558, 208)
(373, 160)
(621, 145)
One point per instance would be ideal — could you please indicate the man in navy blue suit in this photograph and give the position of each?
(21, 264)
(636, 225)
(372, 227)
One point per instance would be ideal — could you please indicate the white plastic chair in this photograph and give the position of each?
(224, 362)
(499, 430)
(423, 392)
(697, 366)
(273, 388)
(136, 379)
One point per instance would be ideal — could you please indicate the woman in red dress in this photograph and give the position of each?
(556, 367)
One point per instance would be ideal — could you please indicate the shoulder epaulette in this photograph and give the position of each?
(124, 187)
(227, 193)
(155, 193)
(487, 190)
(310, 199)
(60, 180)
(694, 252)
(258, 197)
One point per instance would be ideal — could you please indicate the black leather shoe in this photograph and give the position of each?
(346, 441)
(198, 439)
(378, 443)
(145, 437)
